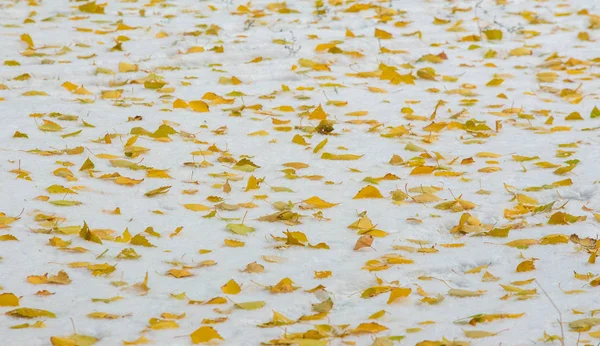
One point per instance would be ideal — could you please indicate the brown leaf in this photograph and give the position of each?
(363, 241)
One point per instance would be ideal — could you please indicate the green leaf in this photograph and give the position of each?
(75, 340)
(250, 305)
(239, 228)
(30, 313)
(584, 324)
(413, 147)
(127, 164)
(72, 134)
(64, 203)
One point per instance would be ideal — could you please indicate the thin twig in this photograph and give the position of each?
(560, 320)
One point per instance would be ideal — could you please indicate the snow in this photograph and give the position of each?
(244, 38)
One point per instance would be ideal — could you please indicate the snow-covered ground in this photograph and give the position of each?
(187, 171)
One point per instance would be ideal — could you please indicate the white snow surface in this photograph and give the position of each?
(244, 38)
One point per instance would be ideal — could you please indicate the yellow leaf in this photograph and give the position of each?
(195, 49)
(322, 274)
(92, 7)
(140, 240)
(560, 218)
(170, 316)
(50, 126)
(368, 191)
(318, 203)
(8, 299)
(299, 140)
(88, 164)
(574, 116)
(62, 278)
(369, 328)
(552, 239)
(179, 103)
(159, 191)
(381, 34)
(158, 324)
(357, 113)
(433, 300)
(547, 77)
(494, 34)
(8, 237)
(278, 320)
(525, 266)
(88, 235)
(233, 80)
(111, 94)
(140, 341)
(285, 285)
(259, 133)
(564, 169)
(317, 114)
(27, 39)
(127, 181)
(204, 334)
(495, 82)
(127, 67)
(377, 315)
(250, 305)
(477, 334)
(522, 243)
(314, 317)
(196, 207)
(426, 197)
(521, 51)
(343, 157)
(231, 287)
(398, 293)
(69, 86)
(179, 273)
(320, 146)
(73, 340)
(233, 243)
(489, 169)
(455, 292)
(35, 93)
(254, 268)
(377, 90)
(38, 324)
(422, 170)
(199, 106)
(103, 315)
